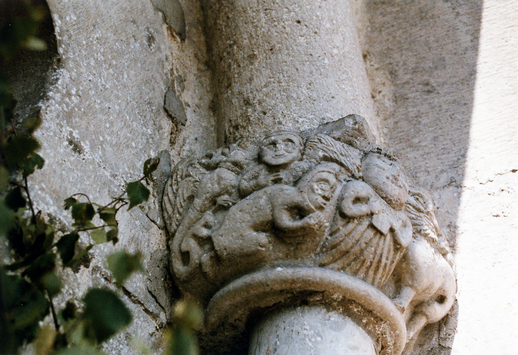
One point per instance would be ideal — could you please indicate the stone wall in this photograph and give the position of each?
(126, 87)
(133, 80)
(441, 81)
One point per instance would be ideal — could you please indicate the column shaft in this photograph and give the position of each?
(284, 65)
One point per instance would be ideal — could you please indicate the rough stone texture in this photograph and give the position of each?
(284, 65)
(309, 330)
(443, 82)
(288, 202)
(105, 116)
(487, 246)
(442, 78)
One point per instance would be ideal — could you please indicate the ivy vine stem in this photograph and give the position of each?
(84, 195)
(53, 311)
(26, 187)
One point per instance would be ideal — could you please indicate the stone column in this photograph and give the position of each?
(309, 330)
(284, 65)
(287, 65)
(302, 232)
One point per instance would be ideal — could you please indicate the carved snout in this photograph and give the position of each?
(358, 199)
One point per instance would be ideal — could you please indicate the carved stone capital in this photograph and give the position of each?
(323, 217)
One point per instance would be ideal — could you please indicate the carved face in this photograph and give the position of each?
(386, 177)
(320, 189)
(282, 149)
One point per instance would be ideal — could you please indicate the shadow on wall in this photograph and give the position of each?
(31, 72)
(421, 59)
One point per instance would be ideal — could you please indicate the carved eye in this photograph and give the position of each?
(323, 186)
(361, 200)
(289, 145)
(271, 144)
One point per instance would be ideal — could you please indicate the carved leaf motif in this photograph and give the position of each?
(179, 192)
(324, 148)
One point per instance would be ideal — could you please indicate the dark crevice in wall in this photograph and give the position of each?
(30, 73)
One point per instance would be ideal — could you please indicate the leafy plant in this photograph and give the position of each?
(30, 274)
(29, 283)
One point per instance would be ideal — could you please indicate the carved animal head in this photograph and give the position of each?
(386, 176)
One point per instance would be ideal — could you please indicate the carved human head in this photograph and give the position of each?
(319, 185)
(384, 174)
(281, 148)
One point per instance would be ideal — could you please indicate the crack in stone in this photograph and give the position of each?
(512, 171)
(134, 299)
(155, 298)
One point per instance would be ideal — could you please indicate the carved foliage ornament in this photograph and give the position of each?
(327, 204)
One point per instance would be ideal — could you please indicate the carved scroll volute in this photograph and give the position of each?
(328, 202)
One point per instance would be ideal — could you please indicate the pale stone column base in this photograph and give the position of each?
(312, 295)
(309, 330)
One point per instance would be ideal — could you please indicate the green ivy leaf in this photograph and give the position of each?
(40, 266)
(112, 235)
(122, 264)
(137, 193)
(105, 313)
(7, 218)
(79, 349)
(26, 306)
(67, 246)
(31, 311)
(82, 212)
(4, 178)
(69, 202)
(99, 236)
(35, 44)
(45, 340)
(76, 258)
(19, 148)
(30, 124)
(15, 200)
(38, 237)
(8, 103)
(108, 216)
(188, 313)
(150, 166)
(52, 283)
(84, 225)
(35, 161)
(68, 313)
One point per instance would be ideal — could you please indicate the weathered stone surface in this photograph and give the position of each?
(284, 65)
(441, 75)
(285, 202)
(442, 80)
(173, 15)
(309, 330)
(102, 118)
